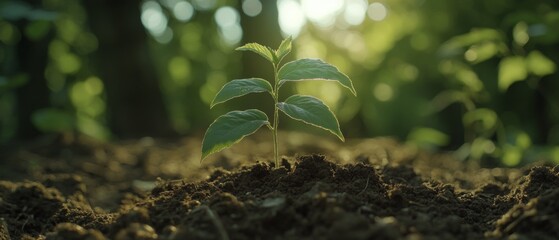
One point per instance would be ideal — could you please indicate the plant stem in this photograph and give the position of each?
(276, 120)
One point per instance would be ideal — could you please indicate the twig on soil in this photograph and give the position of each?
(216, 221)
(366, 186)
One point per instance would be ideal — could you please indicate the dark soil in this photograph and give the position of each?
(68, 188)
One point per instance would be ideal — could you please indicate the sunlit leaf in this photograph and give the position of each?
(313, 69)
(481, 146)
(512, 155)
(428, 136)
(481, 52)
(520, 33)
(475, 36)
(470, 79)
(283, 49)
(511, 70)
(480, 36)
(539, 64)
(486, 117)
(448, 97)
(231, 128)
(311, 110)
(263, 51)
(241, 87)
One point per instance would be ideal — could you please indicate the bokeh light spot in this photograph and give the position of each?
(165, 37)
(93, 85)
(470, 55)
(322, 12)
(68, 63)
(179, 69)
(183, 11)
(204, 4)
(383, 92)
(153, 18)
(355, 12)
(377, 11)
(226, 17)
(252, 7)
(291, 17)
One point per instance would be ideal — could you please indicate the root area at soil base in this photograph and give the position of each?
(308, 197)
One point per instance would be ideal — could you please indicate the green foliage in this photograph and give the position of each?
(234, 126)
(230, 128)
(313, 69)
(263, 51)
(539, 65)
(502, 72)
(54, 120)
(511, 70)
(241, 87)
(468, 75)
(311, 110)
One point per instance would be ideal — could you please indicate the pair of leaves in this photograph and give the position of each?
(298, 70)
(273, 56)
(516, 68)
(234, 126)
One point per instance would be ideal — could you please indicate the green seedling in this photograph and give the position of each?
(233, 126)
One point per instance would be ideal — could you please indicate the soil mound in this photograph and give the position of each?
(306, 198)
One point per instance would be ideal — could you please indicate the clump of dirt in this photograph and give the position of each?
(308, 197)
(31, 209)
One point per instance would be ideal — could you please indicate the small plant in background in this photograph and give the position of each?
(233, 126)
(488, 130)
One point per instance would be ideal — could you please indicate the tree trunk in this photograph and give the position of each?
(134, 100)
(263, 29)
(32, 58)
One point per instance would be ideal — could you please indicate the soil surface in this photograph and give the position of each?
(72, 187)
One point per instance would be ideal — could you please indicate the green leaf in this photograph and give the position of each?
(231, 128)
(53, 120)
(520, 34)
(283, 49)
(263, 51)
(428, 137)
(311, 110)
(313, 69)
(539, 64)
(36, 30)
(241, 87)
(483, 51)
(486, 117)
(475, 36)
(511, 70)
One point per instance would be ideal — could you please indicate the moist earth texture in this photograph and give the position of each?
(72, 187)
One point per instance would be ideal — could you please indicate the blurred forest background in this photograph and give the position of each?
(475, 77)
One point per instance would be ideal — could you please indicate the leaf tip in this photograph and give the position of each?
(204, 155)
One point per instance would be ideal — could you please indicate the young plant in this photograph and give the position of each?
(232, 127)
